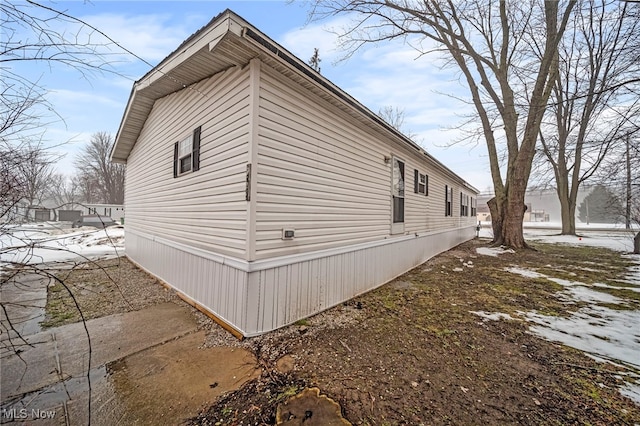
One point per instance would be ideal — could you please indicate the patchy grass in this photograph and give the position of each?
(411, 352)
(418, 356)
(100, 289)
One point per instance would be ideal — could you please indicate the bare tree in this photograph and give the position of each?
(315, 60)
(395, 117)
(12, 185)
(489, 44)
(87, 190)
(25, 169)
(621, 173)
(36, 171)
(33, 32)
(99, 174)
(591, 107)
(63, 191)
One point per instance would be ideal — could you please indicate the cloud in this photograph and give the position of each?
(151, 37)
(71, 97)
(302, 41)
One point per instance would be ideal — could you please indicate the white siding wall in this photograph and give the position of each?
(219, 288)
(282, 295)
(325, 177)
(207, 208)
(257, 301)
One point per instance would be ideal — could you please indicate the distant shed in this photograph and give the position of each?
(264, 193)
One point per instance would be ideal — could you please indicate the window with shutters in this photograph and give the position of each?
(397, 195)
(186, 154)
(448, 200)
(185, 151)
(420, 183)
(464, 204)
(398, 191)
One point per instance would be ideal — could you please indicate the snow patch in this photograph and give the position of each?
(493, 251)
(495, 316)
(598, 330)
(525, 272)
(53, 242)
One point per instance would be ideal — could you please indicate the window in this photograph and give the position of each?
(464, 204)
(398, 190)
(448, 200)
(186, 154)
(185, 151)
(474, 210)
(420, 183)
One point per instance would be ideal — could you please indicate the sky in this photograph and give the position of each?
(385, 75)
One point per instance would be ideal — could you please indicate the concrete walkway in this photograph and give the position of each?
(24, 300)
(145, 368)
(63, 352)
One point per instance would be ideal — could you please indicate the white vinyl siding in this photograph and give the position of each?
(317, 174)
(326, 177)
(206, 209)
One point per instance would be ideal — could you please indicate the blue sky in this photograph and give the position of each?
(390, 74)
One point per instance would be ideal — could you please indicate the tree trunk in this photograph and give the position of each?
(568, 212)
(496, 220)
(512, 232)
(507, 221)
(636, 244)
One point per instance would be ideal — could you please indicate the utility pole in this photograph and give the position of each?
(586, 200)
(627, 213)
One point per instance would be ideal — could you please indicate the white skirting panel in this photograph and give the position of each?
(255, 300)
(217, 287)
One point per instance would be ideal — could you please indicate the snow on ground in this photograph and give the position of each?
(598, 329)
(493, 316)
(528, 273)
(605, 235)
(51, 242)
(493, 251)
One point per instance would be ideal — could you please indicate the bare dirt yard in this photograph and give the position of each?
(413, 351)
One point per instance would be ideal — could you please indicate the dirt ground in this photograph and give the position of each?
(411, 352)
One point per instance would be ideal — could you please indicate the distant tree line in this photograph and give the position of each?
(29, 177)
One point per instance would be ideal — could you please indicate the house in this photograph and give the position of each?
(285, 195)
(114, 211)
(543, 205)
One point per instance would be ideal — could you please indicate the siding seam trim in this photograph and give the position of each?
(260, 265)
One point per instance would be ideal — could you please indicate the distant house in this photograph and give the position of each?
(543, 205)
(114, 211)
(264, 194)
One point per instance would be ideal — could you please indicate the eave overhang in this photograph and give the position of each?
(228, 41)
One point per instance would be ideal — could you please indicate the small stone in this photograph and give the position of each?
(303, 329)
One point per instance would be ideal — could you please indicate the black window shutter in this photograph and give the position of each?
(196, 149)
(175, 159)
(416, 178)
(446, 200)
(426, 185)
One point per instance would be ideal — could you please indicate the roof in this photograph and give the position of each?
(227, 41)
